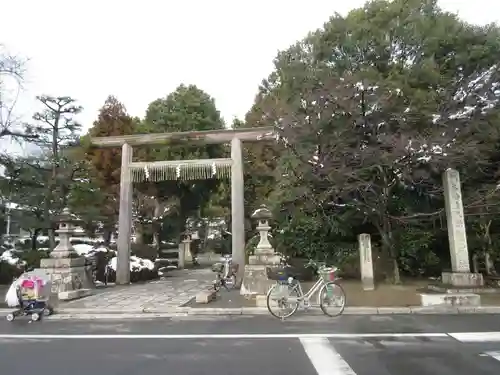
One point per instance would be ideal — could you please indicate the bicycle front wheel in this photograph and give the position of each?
(283, 300)
(231, 281)
(332, 299)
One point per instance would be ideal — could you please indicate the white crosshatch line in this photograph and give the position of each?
(494, 355)
(476, 336)
(324, 358)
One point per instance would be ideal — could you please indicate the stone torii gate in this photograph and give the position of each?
(174, 169)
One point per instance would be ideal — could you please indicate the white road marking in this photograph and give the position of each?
(325, 359)
(476, 336)
(494, 355)
(223, 336)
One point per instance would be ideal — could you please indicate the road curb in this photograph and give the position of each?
(112, 313)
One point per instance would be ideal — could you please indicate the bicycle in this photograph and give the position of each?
(226, 274)
(287, 292)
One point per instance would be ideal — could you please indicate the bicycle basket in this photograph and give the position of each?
(327, 274)
(277, 274)
(218, 268)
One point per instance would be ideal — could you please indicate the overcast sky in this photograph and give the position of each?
(142, 50)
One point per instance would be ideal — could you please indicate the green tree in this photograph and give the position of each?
(186, 109)
(378, 103)
(56, 132)
(260, 162)
(105, 163)
(25, 184)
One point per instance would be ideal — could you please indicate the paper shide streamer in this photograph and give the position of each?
(182, 171)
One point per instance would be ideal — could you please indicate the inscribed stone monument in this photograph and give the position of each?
(366, 261)
(460, 274)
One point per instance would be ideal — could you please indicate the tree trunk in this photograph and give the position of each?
(156, 224)
(52, 239)
(395, 270)
(206, 225)
(34, 238)
(388, 248)
(139, 234)
(488, 248)
(107, 233)
(387, 237)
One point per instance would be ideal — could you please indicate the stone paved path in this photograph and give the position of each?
(174, 291)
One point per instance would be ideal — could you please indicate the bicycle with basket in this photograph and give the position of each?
(287, 294)
(225, 274)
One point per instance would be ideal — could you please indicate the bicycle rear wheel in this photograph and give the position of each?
(217, 285)
(285, 298)
(332, 295)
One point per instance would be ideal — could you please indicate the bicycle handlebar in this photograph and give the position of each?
(311, 263)
(320, 266)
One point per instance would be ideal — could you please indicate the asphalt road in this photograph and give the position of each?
(350, 345)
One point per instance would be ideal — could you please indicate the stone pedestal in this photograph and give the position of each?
(460, 274)
(68, 273)
(462, 279)
(255, 282)
(450, 299)
(366, 261)
(69, 276)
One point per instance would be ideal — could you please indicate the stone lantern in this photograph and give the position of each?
(66, 228)
(67, 270)
(264, 249)
(255, 282)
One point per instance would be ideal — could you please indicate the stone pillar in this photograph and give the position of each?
(237, 208)
(70, 277)
(460, 274)
(182, 256)
(185, 256)
(366, 261)
(188, 257)
(124, 218)
(255, 282)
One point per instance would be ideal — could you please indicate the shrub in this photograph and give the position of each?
(144, 251)
(8, 272)
(136, 275)
(101, 260)
(32, 258)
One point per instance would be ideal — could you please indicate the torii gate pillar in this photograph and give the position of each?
(237, 208)
(124, 218)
